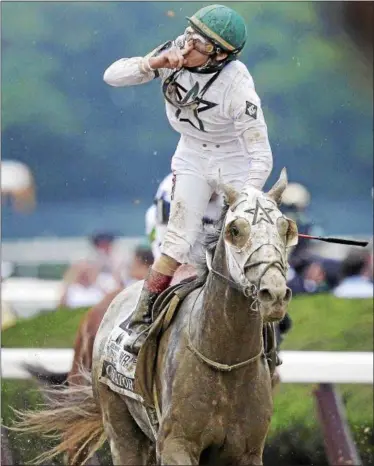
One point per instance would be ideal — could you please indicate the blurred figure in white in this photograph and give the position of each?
(157, 215)
(18, 185)
(83, 290)
(357, 275)
(86, 282)
(8, 318)
(110, 270)
(297, 196)
(89, 286)
(295, 201)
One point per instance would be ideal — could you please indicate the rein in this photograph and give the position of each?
(214, 364)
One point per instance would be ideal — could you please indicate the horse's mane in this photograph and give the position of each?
(209, 243)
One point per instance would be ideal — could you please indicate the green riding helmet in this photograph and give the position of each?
(221, 25)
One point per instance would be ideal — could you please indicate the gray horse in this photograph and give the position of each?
(212, 376)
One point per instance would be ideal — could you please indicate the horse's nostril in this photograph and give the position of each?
(265, 295)
(288, 295)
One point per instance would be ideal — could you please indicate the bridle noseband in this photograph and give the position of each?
(250, 290)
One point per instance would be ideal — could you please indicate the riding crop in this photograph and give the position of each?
(327, 239)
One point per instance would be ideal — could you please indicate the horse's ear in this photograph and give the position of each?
(231, 194)
(292, 237)
(277, 190)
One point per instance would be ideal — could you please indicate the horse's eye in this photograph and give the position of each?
(234, 231)
(237, 232)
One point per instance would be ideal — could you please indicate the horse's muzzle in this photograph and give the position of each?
(280, 294)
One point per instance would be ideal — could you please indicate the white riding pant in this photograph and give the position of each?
(196, 168)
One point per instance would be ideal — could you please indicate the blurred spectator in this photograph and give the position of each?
(84, 289)
(357, 275)
(332, 270)
(295, 201)
(110, 270)
(103, 248)
(18, 185)
(101, 269)
(315, 277)
(318, 276)
(87, 282)
(143, 259)
(295, 282)
(88, 287)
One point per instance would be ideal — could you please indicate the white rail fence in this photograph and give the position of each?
(298, 366)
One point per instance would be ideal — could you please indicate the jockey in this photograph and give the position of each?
(157, 215)
(211, 101)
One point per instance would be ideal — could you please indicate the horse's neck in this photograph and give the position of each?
(226, 330)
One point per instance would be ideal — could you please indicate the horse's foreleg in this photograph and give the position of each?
(128, 444)
(253, 459)
(177, 451)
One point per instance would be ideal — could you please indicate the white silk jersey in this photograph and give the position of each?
(155, 227)
(227, 114)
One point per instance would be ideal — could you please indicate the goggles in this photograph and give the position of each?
(200, 43)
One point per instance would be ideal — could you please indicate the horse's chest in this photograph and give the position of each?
(239, 422)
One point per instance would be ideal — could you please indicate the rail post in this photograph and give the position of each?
(339, 445)
(6, 453)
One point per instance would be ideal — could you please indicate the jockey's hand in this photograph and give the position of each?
(172, 58)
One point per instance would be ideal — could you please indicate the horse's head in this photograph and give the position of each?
(256, 236)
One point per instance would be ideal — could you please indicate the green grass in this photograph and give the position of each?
(320, 323)
(47, 330)
(325, 323)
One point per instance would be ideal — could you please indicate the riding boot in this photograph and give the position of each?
(141, 318)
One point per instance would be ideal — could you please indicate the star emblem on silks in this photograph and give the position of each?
(191, 115)
(260, 214)
(251, 110)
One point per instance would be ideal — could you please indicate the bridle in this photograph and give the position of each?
(249, 290)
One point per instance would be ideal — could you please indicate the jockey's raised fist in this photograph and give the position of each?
(174, 58)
